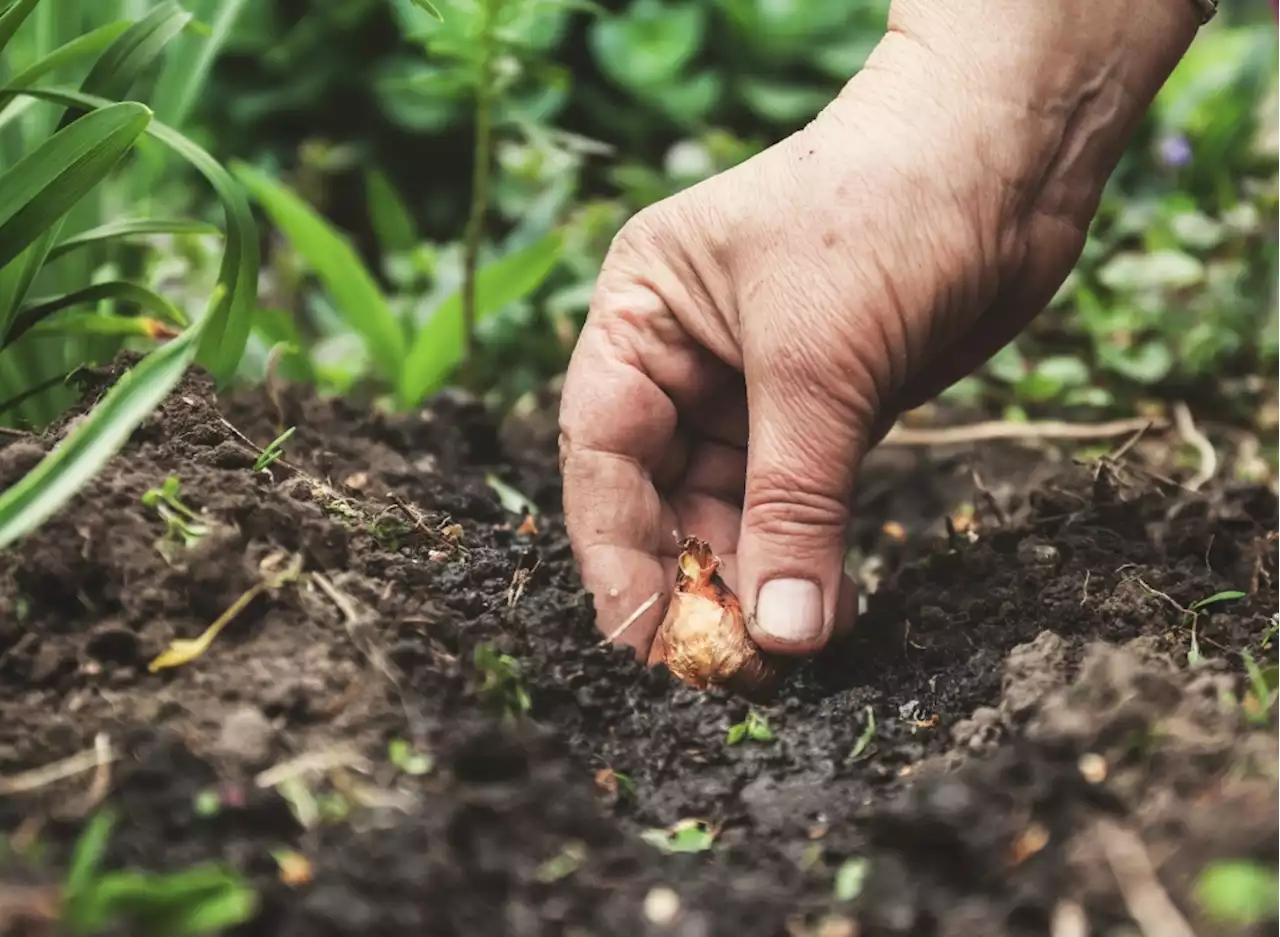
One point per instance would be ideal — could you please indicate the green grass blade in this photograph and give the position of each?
(134, 50)
(13, 17)
(336, 263)
(392, 223)
(224, 339)
(43, 186)
(186, 70)
(88, 853)
(438, 346)
(87, 448)
(89, 44)
(86, 324)
(132, 228)
(122, 291)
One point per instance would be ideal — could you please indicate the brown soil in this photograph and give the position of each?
(991, 666)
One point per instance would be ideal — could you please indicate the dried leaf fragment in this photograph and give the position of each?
(704, 635)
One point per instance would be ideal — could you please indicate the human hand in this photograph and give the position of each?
(752, 337)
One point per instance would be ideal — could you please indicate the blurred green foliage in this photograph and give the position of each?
(354, 124)
(366, 109)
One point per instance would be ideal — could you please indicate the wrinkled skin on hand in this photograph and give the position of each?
(753, 336)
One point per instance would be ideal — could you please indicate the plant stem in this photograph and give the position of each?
(479, 188)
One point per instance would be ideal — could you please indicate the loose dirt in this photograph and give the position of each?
(1043, 760)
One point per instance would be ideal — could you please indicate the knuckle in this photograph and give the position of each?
(778, 508)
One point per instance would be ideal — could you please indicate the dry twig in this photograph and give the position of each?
(1148, 903)
(1000, 429)
(631, 619)
(101, 784)
(1069, 920)
(1192, 436)
(37, 778)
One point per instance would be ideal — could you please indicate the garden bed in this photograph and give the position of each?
(1038, 739)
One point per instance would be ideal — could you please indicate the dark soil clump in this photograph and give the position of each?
(1036, 719)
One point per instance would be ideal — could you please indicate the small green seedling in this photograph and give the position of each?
(206, 899)
(511, 500)
(688, 835)
(183, 527)
(207, 804)
(401, 754)
(1235, 891)
(850, 878)
(863, 744)
(563, 864)
(501, 681)
(1269, 636)
(755, 727)
(1261, 695)
(1191, 615)
(274, 450)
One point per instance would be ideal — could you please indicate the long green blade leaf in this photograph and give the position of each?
(115, 71)
(79, 47)
(123, 291)
(223, 341)
(87, 448)
(12, 18)
(185, 71)
(81, 324)
(338, 266)
(43, 186)
(137, 227)
(438, 347)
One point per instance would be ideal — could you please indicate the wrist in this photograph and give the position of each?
(1051, 93)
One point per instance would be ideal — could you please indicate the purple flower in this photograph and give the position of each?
(1174, 151)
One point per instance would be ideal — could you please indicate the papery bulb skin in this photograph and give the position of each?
(704, 635)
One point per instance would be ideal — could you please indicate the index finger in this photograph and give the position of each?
(618, 422)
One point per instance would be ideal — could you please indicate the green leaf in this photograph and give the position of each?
(122, 291)
(81, 324)
(87, 448)
(187, 68)
(12, 18)
(438, 346)
(1238, 891)
(850, 878)
(1007, 365)
(737, 733)
(648, 46)
(1132, 272)
(783, 102)
(868, 736)
(1147, 363)
(134, 50)
(684, 836)
(38, 190)
(223, 341)
(392, 223)
(1218, 597)
(331, 256)
(510, 499)
(90, 43)
(124, 230)
(429, 7)
(90, 848)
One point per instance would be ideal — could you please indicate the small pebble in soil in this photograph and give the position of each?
(661, 906)
(1032, 552)
(246, 737)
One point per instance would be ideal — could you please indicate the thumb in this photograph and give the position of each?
(808, 429)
